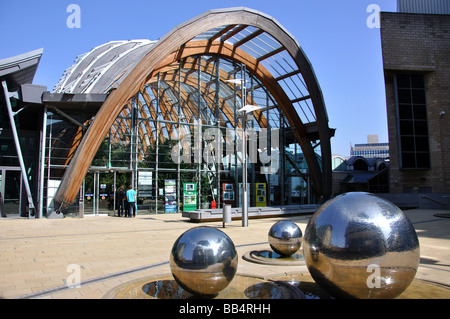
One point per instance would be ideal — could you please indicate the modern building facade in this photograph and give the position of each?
(424, 7)
(416, 61)
(146, 112)
(371, 149)
(360, 174)
(365, 170)
(20, 134)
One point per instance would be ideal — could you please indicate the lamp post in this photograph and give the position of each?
(244, 111)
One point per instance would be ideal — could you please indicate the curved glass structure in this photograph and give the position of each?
(174, 111)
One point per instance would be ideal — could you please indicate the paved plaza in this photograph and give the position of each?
(38, 257)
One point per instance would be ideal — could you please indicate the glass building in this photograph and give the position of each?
(146, 112)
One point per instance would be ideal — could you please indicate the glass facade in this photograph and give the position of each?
(147, 113)
(167, 131)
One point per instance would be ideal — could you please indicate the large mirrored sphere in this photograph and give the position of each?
(203, 261)
(285, 237)
(359, 245)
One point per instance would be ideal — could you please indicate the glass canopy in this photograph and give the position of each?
(198, 87)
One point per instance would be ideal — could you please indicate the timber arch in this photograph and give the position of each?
(240, 35)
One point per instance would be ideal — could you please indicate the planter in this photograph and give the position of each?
(205, 205)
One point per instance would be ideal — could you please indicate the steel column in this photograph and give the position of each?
(19, 150)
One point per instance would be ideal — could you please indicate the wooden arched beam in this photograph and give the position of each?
(227, 112)
(180, 35)
(209, 69)
(225, 50)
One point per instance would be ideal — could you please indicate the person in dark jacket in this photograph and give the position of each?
(120, 200)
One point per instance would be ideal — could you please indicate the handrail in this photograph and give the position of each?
(434, 200)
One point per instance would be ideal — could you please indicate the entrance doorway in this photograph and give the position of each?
(99, 192)
(10, 191)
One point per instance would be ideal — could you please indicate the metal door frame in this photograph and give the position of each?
(4, 170)
(96, 192)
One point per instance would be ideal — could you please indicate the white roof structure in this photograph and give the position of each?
(103, 68)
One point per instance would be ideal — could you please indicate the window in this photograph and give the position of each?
(412, 121)
(360, 165)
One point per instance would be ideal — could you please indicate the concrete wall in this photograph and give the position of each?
(415, 200)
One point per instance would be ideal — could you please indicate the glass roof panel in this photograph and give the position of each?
(210, 33)
(274, 118)
(241, 34)
(260, 45)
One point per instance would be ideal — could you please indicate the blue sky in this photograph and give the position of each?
(344, 52)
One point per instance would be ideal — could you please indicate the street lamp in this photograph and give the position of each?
(244, 110)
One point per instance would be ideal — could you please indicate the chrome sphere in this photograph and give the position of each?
(359, 245)
(203, 261)
(285, 237)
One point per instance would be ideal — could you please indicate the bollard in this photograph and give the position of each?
(81, 209)
(226, 214)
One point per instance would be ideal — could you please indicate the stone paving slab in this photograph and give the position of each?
(36, 255)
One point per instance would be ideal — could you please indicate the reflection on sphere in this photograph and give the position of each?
(355, 237)
(203, 261)
(285, 237)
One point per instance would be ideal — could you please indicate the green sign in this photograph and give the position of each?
(189, 197)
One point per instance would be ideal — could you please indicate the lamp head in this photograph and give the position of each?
(249, 108)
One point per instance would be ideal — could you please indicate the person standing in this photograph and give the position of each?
(125, 205)
(120, 198)
(131, 196)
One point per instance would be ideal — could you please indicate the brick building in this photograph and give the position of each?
(416, 61)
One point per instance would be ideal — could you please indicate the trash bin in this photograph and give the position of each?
(226, 214)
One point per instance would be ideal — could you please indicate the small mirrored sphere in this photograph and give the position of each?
(203, 261)
(359, 245)
(285, 237)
